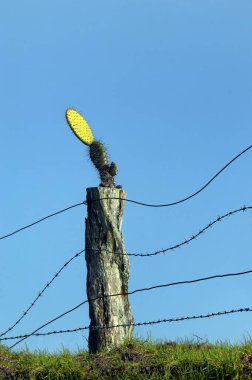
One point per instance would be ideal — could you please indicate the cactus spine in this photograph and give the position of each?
(97, 150)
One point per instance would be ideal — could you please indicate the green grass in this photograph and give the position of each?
(135, 359)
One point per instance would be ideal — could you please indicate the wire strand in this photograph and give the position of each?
(180, 319)
(41, 220)
(188, 197)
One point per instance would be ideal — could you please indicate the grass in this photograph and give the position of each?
(135, 359)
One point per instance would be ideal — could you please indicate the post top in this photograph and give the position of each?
(94, 193)
(104, 188)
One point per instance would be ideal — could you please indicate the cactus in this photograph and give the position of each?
(98, 155)
(97, 150)
(79, 126)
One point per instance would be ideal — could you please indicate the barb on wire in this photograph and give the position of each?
(167, 320)
(133, 292)
(190, 196)
(187, 241)
(40, 293)
(41, 220)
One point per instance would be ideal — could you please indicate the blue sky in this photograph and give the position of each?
(167, 85)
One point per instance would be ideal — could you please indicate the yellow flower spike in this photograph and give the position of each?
(79, 126)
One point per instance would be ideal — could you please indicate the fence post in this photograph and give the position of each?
(107, 268)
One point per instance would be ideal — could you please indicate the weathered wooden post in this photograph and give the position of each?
(107, 269)
(106, 258)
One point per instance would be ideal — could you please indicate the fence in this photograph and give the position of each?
(163, 251)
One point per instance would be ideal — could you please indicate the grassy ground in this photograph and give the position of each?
(134, 360)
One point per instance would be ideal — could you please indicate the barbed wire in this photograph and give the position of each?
(186, 241)
(166, 320)
(218, 219)
(193, 237)
(171, 320)
(130, 200)
(25, 313)
(136, 291)
(41, 220)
